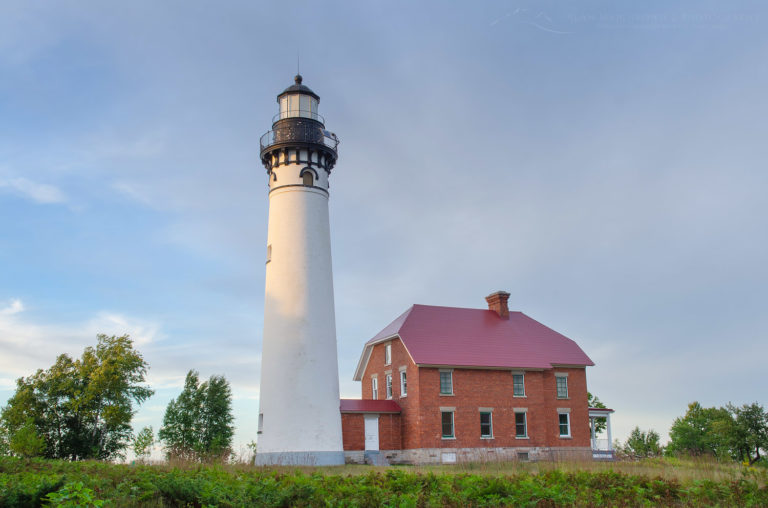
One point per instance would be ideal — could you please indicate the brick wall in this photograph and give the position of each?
(353, 431)
(493, 389)
(409, 419)
(473, 389)
(389, 432)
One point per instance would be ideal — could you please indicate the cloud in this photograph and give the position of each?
(14, 307)
(28, 345)
(41, 193)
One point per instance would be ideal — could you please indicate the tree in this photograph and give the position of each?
(745, 432)
(696, 432)
(26, 442)
(600, 423)
(82, 408)
(143, 442)
(198, 424)
(641, 444)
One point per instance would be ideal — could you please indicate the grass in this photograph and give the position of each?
(653, 482)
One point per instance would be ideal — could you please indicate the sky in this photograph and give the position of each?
(604, 162)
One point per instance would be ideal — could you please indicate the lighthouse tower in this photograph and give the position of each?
(299, 418)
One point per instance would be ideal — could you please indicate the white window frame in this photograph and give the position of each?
(388, 354)
(452, 412)
(521, 374)
(486, 411)
(558, 377)
(375, 387)
(523, 412)
(389, 386)
(403, 382)
(568, 423)
(450, 372)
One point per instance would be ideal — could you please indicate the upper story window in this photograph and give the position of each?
(562, 385)
(389, 386)
(308, 178)
(518, 383)
(387, 354)
(374, 388)
(446, 382)
(486, 424)
(403, 383)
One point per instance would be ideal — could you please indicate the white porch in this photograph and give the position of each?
(602, 449)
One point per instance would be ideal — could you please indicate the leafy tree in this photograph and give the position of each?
(696, 432)
(745, 431)
(82, 408)
(600, 423)
(198, 424)
(26, 442)
(642, 444)
(143, 442)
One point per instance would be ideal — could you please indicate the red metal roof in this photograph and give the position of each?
(369, 406)
(480, 338)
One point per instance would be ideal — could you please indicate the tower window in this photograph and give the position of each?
(308, 178)
(269, 253)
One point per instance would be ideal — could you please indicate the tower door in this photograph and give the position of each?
(371, 432)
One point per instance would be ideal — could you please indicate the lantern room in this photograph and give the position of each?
(298, 101)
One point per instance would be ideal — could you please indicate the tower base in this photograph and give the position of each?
(331, 458)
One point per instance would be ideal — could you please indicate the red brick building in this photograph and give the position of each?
(444, 384)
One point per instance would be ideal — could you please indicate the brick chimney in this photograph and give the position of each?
(497, 302)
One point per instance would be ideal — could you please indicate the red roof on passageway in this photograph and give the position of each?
(369, 406)
(453, 336)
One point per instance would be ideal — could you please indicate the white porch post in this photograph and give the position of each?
(608, 426)
(592, 431)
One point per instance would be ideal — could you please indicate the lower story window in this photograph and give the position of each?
(447, 420)
(521, 427)
(486, 424)
(565, 424)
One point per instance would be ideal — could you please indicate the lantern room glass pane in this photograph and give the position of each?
(304, 105)
(293, 105)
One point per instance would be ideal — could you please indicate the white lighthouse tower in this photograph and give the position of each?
(299, 418)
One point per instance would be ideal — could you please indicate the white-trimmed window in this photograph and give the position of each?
(403, 383)
(521, 424)
(518, 384)
(486, 424)
(564, 423)
(446, 420)
(374, 388)
(561, 381)
(389, 386)
(446, 382)
(387, 354)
